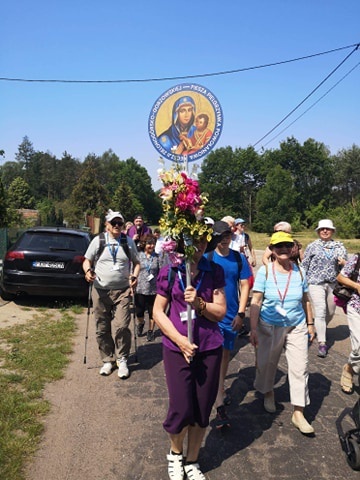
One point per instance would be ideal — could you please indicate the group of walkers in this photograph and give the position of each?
(292, 302)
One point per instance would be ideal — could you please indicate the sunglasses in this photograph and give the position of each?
(115, 223)
(284, 245)
(325, 228)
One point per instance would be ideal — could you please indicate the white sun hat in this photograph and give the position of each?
(326, 223)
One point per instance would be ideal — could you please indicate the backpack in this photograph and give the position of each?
(102, 243)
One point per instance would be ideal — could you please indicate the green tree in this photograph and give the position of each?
(347, 175)
(126, 202)
(3, 205)
(89, 195)
(19, 194)
(275, 201)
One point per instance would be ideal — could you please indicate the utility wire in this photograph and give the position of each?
(308, 96)
(184, 77)
(313, 105)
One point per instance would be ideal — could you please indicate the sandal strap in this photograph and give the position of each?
(193, 472)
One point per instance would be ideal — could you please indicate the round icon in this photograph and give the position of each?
(185, 122)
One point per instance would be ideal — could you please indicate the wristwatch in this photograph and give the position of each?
(241, 315)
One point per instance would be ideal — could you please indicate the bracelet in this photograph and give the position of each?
(202, 306)
(310, 324)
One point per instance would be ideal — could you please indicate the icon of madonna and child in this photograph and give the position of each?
(188, 131)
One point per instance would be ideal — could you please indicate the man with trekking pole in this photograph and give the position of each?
(112, 266)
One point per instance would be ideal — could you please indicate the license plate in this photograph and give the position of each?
(44, 264)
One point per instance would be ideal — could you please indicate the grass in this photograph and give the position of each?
(31, 356)
(261, 240)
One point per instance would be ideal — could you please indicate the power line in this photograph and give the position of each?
(308, 96)
(184, 77)
(313, 105)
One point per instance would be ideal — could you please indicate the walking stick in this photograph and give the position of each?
(87, 320)
(132, 312)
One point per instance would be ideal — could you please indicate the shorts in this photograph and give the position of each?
(229, 336)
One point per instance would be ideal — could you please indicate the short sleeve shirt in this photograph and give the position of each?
(206, 334)
(321, 261)
(274, 288)
(347, 271)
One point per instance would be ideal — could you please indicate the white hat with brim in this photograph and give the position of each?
(325, 224)
(111, 215)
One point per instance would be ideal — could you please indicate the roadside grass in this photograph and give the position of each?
(31, 355)
(261, 240)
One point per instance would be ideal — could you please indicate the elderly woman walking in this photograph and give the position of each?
(322, 261)
(281, 318)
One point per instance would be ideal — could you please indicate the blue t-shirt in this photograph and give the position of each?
(293, 313)
(232, 277)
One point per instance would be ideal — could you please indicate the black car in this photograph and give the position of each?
(46, 261)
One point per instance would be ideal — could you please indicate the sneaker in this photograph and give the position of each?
(106, 369)
(222, 420)
(323, 350)
(123, 371)
(193, 472)
(139, 329)
(150, 337)
(175, 466)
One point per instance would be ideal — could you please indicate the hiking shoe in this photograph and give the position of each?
(139, 329)
(106, 369)
(123, 371)
(193, 472)
(175, 466)
(222, 420)
(150, 337)
(323, 350)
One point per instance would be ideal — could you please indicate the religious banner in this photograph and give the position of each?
(185, 122)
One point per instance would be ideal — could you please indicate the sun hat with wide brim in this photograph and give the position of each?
(326, 223)
(281, 237)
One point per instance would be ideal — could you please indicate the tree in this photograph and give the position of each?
(126, 202)
(89, 195)
(347, 175)
(3, 204)
(276, 200)
(19, 195)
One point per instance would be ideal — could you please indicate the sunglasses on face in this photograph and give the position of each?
(115, 223)
(284, 245)
(324, 228)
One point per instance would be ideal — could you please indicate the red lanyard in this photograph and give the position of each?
(282, 296)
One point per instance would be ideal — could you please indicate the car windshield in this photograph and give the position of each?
(45, 242)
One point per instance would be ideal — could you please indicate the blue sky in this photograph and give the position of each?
(116, 40)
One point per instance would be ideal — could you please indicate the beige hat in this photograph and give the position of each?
(325, 224)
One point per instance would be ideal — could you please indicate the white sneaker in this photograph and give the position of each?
(193, 472)
(123, 371)
(175, 467)
(106, 369)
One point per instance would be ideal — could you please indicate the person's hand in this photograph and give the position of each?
(253, 338)
(312, 332)
(132, 282)
(187, 349)
(341, 261)
(237, 323)
(190, 294)
(90, 276)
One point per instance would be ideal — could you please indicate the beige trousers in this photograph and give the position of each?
(271, 342)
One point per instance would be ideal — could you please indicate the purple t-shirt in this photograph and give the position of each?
(206, 334)
(144, 230)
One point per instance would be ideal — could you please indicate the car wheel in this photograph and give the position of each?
(7, 296)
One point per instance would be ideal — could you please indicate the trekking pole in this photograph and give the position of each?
(87, 320)
(132, 312)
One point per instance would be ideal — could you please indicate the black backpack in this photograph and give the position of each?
(102, 243)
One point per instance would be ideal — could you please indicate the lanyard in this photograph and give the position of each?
(148, 263)
(282, 296)
(182, 283)
(328, 251)
(112, 249)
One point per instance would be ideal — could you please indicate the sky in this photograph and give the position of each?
(117, 40)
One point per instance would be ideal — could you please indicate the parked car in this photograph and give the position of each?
(46, 261)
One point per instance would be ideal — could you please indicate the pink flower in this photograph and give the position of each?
(168, 245)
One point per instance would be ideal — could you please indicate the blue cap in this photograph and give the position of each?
(239, 220)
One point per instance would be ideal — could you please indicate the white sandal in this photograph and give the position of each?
(175, 466)
(193, 472)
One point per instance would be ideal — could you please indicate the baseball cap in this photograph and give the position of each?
(111, 215)
(280, 237)
(239, 220)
